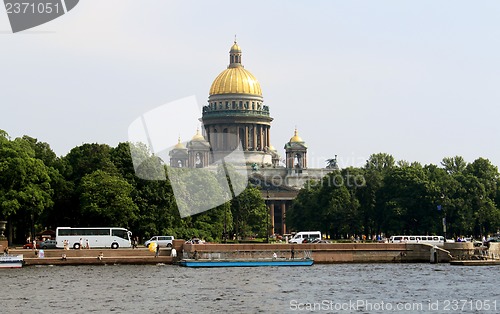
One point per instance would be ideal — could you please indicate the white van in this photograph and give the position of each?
(162, 241)
(300, 236)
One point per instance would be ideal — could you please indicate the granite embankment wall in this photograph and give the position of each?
(321, 253)
(494, 248)
(85, 257)
(324, 252)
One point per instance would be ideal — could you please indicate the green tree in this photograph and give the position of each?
(106, 200)
(25, 190)
(250, 215)
(303, 213)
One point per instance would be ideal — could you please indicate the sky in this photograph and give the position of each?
(415, 79)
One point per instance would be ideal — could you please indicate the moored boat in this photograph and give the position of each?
(245, 262)
(11, 261)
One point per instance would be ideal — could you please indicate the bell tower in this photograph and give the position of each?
(296, 154)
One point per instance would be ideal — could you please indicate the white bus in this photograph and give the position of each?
(436, 240)
(98, 237)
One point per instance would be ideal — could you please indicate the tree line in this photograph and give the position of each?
(392, 197)
(96, 185)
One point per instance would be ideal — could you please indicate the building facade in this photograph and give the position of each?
(236, 117)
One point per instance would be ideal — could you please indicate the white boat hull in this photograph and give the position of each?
(11, 261)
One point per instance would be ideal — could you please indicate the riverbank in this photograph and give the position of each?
(321, 253)
(141, 256)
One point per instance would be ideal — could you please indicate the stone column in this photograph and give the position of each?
(246, 137)
(254, 137)
(268, 138)
(283, 212)
(261, 131)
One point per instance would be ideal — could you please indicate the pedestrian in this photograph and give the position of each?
(6, 250)
(87, 246)
(34, 244)
(173, 252)
(81, 243)
(157, 250)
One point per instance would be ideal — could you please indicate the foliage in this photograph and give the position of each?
(106, 200)
(25, 189)
(402, 197)
(95, 184)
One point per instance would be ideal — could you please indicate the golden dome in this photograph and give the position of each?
(235, 48)
(235, 79)
(179, 145)
(296, 138)
(198, 137)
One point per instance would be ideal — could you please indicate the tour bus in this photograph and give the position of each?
(437, 240)
(98, 237)
(299, 237)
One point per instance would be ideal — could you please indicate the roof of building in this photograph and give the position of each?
(296, 138)
(179, 145)
(198, 137)
(235, 79)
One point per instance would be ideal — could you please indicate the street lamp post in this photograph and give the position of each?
(441, 207)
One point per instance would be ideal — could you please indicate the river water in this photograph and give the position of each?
(340, 288)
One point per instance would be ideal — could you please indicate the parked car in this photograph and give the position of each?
(493, 239)
(195, 241)
(48, 244)
(310, 240)
(30, 245)
(162, 241)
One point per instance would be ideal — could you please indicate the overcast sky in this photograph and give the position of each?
(416, 79)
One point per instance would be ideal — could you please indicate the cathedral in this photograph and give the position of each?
(237, 118)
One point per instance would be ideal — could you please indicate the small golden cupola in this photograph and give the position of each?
(296, 154)
(178, 155)
(296, 138)
(198, 137)
(179, 145)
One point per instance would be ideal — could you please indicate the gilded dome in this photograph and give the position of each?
(179, 145)
(198, 137)
(296, 138)
(235, 48)
(235, 79)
